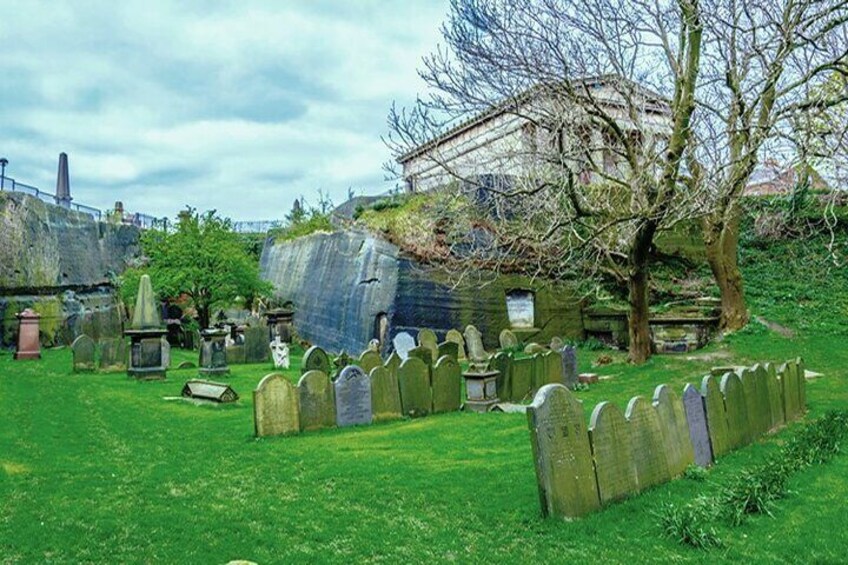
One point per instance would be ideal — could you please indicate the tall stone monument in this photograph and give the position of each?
(63, 183)
(145, 333)
(29, 346)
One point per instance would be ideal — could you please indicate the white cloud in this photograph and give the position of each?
(240, 107)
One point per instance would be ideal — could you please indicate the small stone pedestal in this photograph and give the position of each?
(481, 390)
(213, 353)
(146, 356)
(29, 346)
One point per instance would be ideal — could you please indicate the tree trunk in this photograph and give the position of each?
(721, 239)
(638, 278)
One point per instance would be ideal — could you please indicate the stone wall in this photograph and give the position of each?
(62, 264)
(341, 284)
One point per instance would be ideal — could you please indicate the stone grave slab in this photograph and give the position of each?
(502, 362)
(317, 401)
(802, 385)
(561, 454)
(775, 396)
(456, 337)
(209, 390)
(507, 339)
(613, 453)
(716, 416)
(414, 384)
(736, 409)
(392, 364)
(235, 354)
(675, 431)
(569, 366)
(540, 371)
(696, 420)
(522, 378)
(423, 353)
(370, 359)
(646, 441)
(276, 410)
(83, 349)
(353, 397)
(534, 348)
(166, 352)
(256, 342)
(403, 342)
(113, 354)
(450, 349)
(553, 367)
(789, 385)
(385, 395)
(427, 338)
(752, 412)
(447, 385)
(316, 359)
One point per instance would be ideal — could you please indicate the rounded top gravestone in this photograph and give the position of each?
(316, 359)
(353, 397)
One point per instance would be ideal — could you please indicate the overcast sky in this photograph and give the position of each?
(237, 106)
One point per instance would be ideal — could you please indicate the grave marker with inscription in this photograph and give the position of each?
(414, 384)
(569, 366)
(317, 401)
(716, 416)
(507, 339)
(353, 397)
(646, 440)
(403, 342)
(370, 359)
(522, 378)
(502, 362)
(696, 420)
(456, 337)
(316, 359)
(113, 354)
(675, 431)
(385, 395)
(737, 410)
(447, 385)
(427, 338)
(276, 410)
(83, 349)
(612, 452)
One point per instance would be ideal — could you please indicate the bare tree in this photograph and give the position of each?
(579, 114)
(762, 62)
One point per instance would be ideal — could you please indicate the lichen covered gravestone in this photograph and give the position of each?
(447, 385)
(456, 337)
(450, 349)
(646, 441)
(569, 366)
(736, 409)
(276, 410)
(385, 395)
(370, 359)
(696, 422)
(316, 359)
(403, 342)
(553, 367)
(522, 378)
(113, 354)
(414, 385)
(83, 349)
(561, 454)
(675, 431)
(502, 363)
(774, 395)
(612, 452)
(317, 401)
(392, 364)
(716, 416)
(427, 338)
(353, 397)
(477, 356)
(256, 340)
(507, 339)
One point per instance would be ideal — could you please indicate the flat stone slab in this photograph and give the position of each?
(209, 390)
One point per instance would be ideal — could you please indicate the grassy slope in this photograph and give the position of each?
(100, 468)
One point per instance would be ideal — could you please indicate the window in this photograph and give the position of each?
(520, 308)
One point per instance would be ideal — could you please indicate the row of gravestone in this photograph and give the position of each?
(579, 469)
(354, 397)
(107, 354)
(519, 377)
(454, 344)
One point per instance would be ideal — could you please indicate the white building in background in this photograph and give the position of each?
(505, 142)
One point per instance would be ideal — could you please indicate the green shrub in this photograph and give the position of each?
(696, 473)
(690, 524)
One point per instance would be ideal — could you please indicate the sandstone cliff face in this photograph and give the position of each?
(342, 284)
(62, 264)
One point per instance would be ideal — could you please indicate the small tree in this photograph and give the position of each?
(202, 259)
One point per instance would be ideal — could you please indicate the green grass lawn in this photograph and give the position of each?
(100, 468)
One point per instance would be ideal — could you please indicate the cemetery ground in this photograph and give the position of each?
(98, 467)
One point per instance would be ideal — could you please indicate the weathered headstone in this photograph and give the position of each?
(213, 354)
(569, 366)
(522, 378)
(392, 364)
(752, 413)
(502, 363)
(553, 367)
(696, 420)
(317, 401)
(385, 395)
(736, 410)
(423, 353)
(758, 376)
(533, 349)
(450, 349)
(647, 443)
(456, 337)
(235, 354)
(29, 345)
(414, 385)
(565, 474)
(556, 344)
(276, 410)
(612, 452)
(675, 431)
(716, 416)
(427, 338)
(186, 365)
(507, 339)
(369, 359)
(341, 361)
(256, 340)
(791, 397)
(447, 385)
(316, 359)
(83, 349)
(166, 352)
(540, 371)
(113, 354)
(403, 342)
(280, 353)
(353, 397)
(802, 385)
(775, 396)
